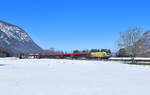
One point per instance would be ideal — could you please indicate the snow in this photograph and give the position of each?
(14, 32)
(129, 58)
(72, 77)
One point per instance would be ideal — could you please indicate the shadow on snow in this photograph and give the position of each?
(2, 64)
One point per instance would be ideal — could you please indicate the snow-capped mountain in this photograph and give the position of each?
(16, 39)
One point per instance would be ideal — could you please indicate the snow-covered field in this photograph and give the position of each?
(72, 77)
(129, 58)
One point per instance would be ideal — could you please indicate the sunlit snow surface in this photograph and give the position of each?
(72, 77)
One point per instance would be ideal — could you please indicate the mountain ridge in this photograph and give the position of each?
(16, 39)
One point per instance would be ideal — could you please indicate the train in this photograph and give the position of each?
(90, 55)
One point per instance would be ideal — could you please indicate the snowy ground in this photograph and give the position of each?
(129, 58)
(67, 77)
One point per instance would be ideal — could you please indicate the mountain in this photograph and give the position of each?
(144, 49)
(16, 39)
(146, 40)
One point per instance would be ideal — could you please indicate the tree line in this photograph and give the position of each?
(53, 51)
(4, 52)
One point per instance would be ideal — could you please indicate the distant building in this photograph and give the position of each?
(34, 56)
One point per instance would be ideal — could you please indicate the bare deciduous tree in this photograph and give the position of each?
(130, 40)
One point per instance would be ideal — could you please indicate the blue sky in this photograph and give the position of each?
(76, 24)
